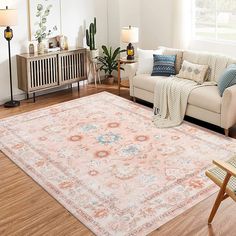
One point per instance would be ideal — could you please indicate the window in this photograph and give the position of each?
(214, 19)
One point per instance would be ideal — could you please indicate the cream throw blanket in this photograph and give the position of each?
(171, 100)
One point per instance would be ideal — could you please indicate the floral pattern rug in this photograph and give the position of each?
(105, 161)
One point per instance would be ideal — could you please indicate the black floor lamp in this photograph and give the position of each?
(8, 17)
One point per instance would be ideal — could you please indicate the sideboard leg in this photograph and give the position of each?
(78, 87)
(34, 98)
(134, 99)
(227, 132)
(27, 96)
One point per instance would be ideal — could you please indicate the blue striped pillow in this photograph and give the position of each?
(164, 65)
(227, 79)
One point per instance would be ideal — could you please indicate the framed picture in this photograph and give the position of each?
(44, 19)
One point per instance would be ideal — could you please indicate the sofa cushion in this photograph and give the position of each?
(164, 65)
(227, 79)
(206, 97)
(146, 82)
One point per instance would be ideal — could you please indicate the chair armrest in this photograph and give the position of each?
(228, 111)
(226, 167)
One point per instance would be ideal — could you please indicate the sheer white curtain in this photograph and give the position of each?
(182, 23)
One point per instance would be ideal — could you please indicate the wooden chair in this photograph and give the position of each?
(224, 175)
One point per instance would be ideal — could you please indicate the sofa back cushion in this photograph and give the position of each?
(217, 63)
(173, 51)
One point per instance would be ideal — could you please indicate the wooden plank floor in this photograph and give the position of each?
(27, 210)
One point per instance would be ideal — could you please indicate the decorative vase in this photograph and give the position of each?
(31, 48)
(41, 47)
(63, 41)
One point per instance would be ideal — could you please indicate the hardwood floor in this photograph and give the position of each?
(26, 209)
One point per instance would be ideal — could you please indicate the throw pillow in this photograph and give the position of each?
(164, 65)
(173, 51)
(193, 72)
(227, 79)
(145, 61)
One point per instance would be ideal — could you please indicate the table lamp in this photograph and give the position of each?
(8, 17)
(130, 35)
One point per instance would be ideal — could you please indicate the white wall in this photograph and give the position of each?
(76, 17)
(156, 23)
(122, 13)
(153, 17)
(18, 45)
(76, 14)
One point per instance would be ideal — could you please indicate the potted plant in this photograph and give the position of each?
(108, 62)
(42, 31)
(90, 39)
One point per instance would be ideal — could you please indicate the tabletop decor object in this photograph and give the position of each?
(130, 35)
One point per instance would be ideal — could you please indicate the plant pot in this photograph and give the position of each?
(110, 79)
(93, 54)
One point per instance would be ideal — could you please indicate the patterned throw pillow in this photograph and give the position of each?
(164, 65)
(227, 79)
(174, 51)
(193, 72)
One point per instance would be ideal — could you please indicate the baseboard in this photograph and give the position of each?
(23, 96)
(18, 97)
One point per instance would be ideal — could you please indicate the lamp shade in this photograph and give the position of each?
(130, 34)
(8, 17)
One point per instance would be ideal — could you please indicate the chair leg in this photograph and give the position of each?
(219, 199)
(227, 132)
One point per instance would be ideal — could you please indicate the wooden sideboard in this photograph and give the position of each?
(39, 72)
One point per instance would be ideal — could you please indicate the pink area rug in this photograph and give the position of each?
(103, 159)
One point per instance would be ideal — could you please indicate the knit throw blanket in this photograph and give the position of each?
(171, 100)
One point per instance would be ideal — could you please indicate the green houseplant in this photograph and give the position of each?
(108, 61)
(90, 39)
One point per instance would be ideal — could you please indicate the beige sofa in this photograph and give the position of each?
(204, 103)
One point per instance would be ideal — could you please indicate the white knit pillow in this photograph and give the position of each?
(145, 61)
(193, 72)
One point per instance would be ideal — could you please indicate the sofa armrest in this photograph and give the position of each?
(130, 71)
(228, 112)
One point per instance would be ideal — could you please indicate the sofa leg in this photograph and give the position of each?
(227, 132)
(134, 99)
